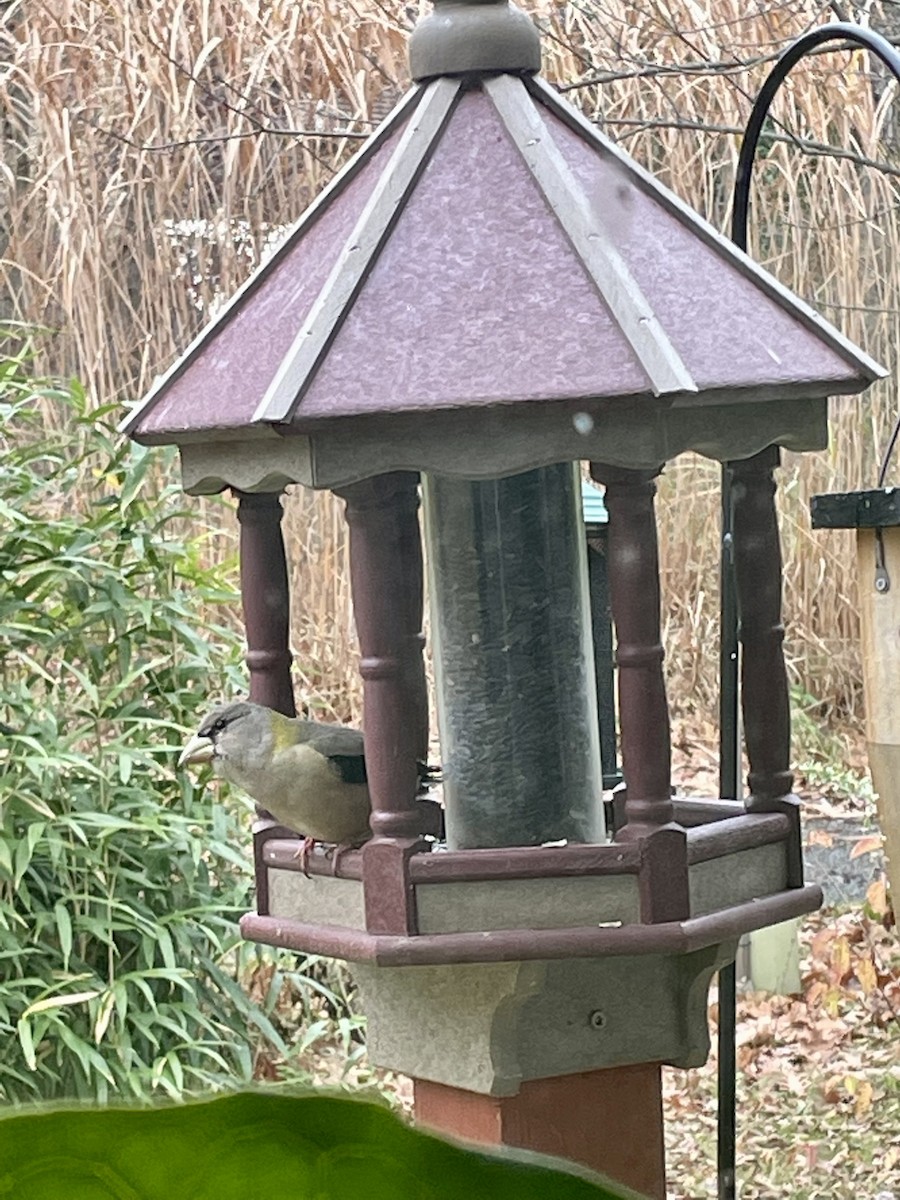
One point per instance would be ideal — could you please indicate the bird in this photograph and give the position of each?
(310, 775)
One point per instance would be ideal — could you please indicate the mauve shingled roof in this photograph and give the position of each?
(480, 294)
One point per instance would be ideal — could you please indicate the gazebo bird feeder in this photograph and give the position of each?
(488, 294)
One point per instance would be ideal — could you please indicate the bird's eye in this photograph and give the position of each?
(219, 725)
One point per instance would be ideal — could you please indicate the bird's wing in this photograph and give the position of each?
(351, 768)
(344, 750)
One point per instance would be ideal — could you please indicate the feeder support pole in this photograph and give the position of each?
(764, 687)
(265, 593)
(635, 603)
(386, 579)
(610, 1121)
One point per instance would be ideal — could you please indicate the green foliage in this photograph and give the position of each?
(822, 754)
(120, 881)
(254, 1145)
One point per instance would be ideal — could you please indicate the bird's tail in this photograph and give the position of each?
(430, 811)
(429, 775)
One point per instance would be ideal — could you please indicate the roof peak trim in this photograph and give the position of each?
(586, 230)
(360, 251)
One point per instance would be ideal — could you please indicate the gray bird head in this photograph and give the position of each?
(235, 738)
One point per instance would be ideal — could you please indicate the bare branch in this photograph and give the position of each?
(813, 148)
(218, 138)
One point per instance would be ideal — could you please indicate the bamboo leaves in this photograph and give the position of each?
(120, 884)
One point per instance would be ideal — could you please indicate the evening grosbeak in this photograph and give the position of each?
(311, 776)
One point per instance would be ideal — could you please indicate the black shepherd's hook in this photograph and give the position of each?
(848, 35)
(839, 31)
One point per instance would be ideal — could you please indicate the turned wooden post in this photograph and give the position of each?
(385, 565)
(386, 579)
(765, 699)
(265, 593)
(635, 603)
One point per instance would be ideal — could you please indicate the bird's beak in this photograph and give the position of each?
(198, 750)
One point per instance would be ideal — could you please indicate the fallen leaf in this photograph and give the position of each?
(876, 898)
(867, 845)
(865, 972)
(840, 960)
(821, 942)
(832, 1002)
(820, 837)
(816, 991)
(863, 1097)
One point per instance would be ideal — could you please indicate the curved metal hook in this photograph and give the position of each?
(838, 31)
(841, 31)
(855, 35)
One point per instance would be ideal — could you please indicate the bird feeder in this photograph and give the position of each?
(875, 515)
(490, 293)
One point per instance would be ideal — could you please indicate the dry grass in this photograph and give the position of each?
(149, 150)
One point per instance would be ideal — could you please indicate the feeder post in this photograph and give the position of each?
(385, 572)
(386, 581)
(610, 1121)
(417, 684)
(265, 594)
(635, 604)
(765, 699)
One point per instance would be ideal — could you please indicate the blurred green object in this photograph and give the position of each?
(256, 1146)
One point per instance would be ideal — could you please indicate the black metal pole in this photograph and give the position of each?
(729, 697)
(729, 761)
(729, 772)
(726, 1164)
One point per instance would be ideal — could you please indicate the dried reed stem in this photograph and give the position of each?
(147, 163)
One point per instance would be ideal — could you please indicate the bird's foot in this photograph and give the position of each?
(303, 852)
(336, 853)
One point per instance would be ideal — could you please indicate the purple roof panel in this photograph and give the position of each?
(489, 288)
(727, 330)
(478, 297)
(223, 384)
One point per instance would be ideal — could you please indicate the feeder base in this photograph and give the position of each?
(490, 1027)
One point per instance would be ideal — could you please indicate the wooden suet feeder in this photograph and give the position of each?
(875, 515)
(489, 293)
